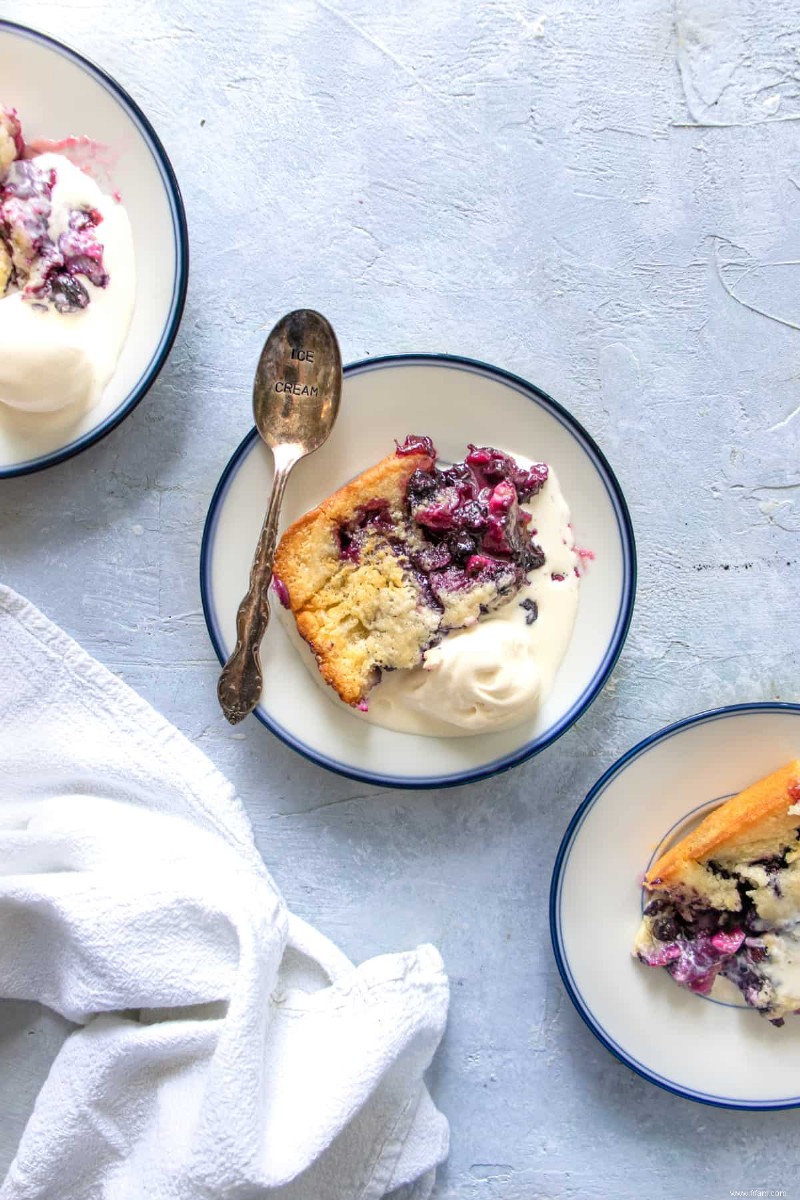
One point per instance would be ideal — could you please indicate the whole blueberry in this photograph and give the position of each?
(666, 929)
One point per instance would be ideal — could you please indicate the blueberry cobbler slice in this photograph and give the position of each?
(406, 552)
(47, 252)
(726, 899)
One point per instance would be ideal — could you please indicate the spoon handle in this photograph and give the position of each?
(239, 687)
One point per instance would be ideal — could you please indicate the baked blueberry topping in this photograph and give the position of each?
(415, 445)
(25, 203)
(46, 271)
(694, 946)
(281, 591)
(373, 515)
(463, 528)
(472, 508)
(494, 466)
(696, 943)
(666, 929)
(531, 610)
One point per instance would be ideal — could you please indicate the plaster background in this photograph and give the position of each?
(602, 196)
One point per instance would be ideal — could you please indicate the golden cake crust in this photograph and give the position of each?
(753, 824)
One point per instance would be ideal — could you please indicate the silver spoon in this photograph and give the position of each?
(296, 396)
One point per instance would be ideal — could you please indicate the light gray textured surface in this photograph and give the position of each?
(603, 197)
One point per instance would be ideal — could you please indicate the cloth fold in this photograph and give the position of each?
(224, 1047)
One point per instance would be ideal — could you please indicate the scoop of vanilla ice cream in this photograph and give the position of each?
(50, 359)
(42, 365)
(479, 678)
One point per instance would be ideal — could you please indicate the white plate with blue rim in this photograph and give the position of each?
(713, 1049)
(60, 94)
(454, 401)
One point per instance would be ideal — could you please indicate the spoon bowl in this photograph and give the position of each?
(298, 383)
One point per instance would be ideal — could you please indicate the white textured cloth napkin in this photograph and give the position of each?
(225, 1048)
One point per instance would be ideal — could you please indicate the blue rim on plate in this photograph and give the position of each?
(573, 991)
(181, 236)
(621, 626)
